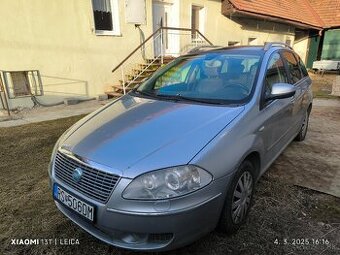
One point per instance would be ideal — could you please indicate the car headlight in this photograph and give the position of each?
(167, 183)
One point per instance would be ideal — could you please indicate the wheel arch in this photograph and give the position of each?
(255, 158)
(309, 109)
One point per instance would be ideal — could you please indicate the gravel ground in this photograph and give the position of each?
(285, 218)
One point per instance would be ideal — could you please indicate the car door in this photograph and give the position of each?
(295, 78)
(275, 114)
(305, 86)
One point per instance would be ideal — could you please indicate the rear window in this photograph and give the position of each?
(293, 66)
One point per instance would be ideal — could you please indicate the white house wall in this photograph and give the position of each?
(58, 38)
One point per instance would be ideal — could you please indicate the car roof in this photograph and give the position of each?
(227, 50)
(239, 49)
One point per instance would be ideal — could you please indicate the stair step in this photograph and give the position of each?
(142, 70)
(148, 70)
(116, 86)
(165, 59)
(131, 84)
(139, 77)
(152, 60)
(151, 65)
(113, 94)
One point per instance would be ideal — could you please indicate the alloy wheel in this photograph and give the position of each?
(242, 197)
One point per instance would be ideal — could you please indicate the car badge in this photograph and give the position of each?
(77, 174)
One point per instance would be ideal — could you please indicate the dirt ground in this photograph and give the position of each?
(283, 218)
(319, 166)
(322, 84)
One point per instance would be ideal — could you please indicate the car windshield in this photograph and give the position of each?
(208, 78)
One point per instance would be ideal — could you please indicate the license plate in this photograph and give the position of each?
(73, 202)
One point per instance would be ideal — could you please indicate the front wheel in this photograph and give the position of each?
(238, 199)
(304, 127)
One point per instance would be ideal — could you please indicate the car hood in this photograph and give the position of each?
(134, 135)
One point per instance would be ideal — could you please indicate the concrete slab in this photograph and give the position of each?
(26, 116)
(326, 102)
(336, 86)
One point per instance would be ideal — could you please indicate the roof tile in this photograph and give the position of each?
(318, 13)
(328, 11)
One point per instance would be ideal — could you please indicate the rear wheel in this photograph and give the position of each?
(304, 127)
(238, 199)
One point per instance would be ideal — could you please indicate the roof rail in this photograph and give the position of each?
(268, 45)
(204, 48)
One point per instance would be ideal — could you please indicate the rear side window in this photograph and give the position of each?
(275, 73)
(293, 66)
(302, 66)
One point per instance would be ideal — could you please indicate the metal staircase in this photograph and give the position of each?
(160, 48)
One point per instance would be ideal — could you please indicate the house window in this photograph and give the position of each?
(106, 17)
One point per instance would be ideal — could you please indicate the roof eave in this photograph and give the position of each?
(277, 19)
(332, 27)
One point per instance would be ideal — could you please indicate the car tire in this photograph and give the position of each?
(238, 200)
(304, 128)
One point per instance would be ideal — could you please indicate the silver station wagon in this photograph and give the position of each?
(180, 154)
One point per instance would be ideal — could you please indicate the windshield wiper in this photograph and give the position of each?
(143, 93)
(179, 97)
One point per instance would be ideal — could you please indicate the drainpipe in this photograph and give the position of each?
(321, 34)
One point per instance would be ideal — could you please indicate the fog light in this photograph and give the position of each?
(135, 238)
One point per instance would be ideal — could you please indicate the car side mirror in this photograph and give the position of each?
(280, 91)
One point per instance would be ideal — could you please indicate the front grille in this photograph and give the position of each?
(94, 183)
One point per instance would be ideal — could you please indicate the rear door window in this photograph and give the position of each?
(302, 66)
(293, 67)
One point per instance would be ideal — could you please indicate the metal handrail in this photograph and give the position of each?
(204, 37)
(135, 50)
(160, 56)
(158, 52)
(152, 35)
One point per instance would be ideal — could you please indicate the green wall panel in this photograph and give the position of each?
(331, 45)
(313, 50)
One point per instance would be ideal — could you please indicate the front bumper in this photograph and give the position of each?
(149, 225)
